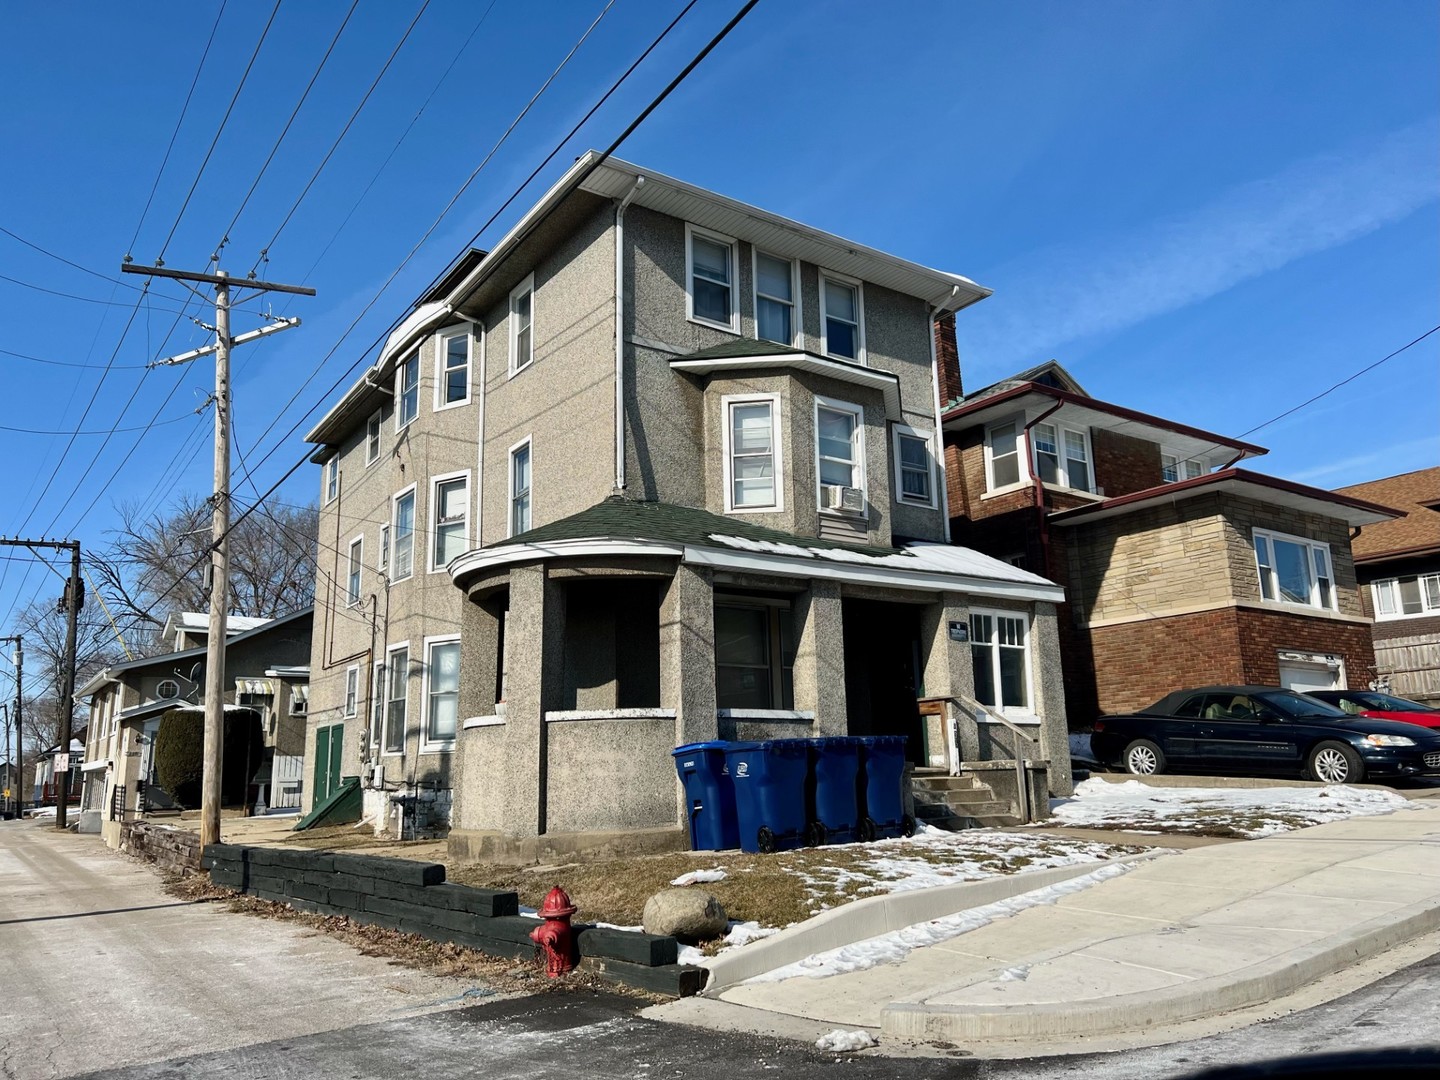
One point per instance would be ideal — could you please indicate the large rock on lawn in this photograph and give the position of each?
(689, 914)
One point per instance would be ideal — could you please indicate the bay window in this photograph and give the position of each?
(839, 453)
(752, 454)
(914, 473)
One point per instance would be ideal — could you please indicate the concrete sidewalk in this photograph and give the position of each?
(1177, 938)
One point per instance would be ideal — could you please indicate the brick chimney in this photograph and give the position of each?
(947, 361)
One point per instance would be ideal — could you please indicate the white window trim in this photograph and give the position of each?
(858, 441)
(1028, 709)
(513, 328)
(442, 338)
(427, 744)
(526, 442)
(414, 531)
(1270, 535)
(1180, 462)
(928, 438)
(1022, 458)
(691, 231)
(348, 708)
(330, 479)
(400, 391)
(1062, 479)
(355, 560)
(384, 699)
(379, 430)
(797, 333)
(859, 287)
(1393, 583)
(434, 531)
(382, 556)
(777, 454)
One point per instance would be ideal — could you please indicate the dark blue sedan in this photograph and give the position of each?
(1262, 730)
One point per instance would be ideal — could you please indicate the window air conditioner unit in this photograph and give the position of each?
(844, 498)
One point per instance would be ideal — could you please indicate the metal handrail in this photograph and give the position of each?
(1022, 784)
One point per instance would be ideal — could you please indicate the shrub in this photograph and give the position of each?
(180, 755)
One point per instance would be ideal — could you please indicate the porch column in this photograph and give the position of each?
(687, 654)
(949, 669)
(1048, 692)
(819, 671)
(535, 632)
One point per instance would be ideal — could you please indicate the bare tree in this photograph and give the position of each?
(43, 626)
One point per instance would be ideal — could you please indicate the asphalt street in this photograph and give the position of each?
(106, 975)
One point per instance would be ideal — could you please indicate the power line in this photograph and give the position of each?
(75, 296)
(61, 258)
(66, 363)
(97, 431)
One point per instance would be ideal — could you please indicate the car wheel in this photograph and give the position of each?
(1335, 763)
(1144, 758)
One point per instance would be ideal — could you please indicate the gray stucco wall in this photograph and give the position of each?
(610, 775)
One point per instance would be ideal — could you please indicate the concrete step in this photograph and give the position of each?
(947, 783)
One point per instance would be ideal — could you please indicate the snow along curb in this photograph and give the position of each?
(876, 915)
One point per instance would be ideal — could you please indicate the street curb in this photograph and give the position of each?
(1253, 985)
(878, 915)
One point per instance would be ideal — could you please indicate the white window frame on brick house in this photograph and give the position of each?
(760, 298)
(395, 708)
(858, 286)
(512, 508)
(1391, 597)
(330, 481)
(407, 390)
(372, 438)
(1175, 467)
(453, 525)
(728, 404)
(354, 565)
(1319, 568)
(429, 742)
(396, 540)
(1050, 441)
(1022, 464)
(445, 365)
(522, 339)
(857, 461)
(351, 706)
(1001, 636)
(899, 435)
(732, 271)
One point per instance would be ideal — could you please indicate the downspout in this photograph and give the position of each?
(1036, 487)
(620, 333)
(936, 310)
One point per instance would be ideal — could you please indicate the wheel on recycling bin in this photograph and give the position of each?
(907, 826)
(815, 834)
(765, 839)
(867, 829)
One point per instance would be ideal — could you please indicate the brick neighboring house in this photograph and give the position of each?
(659, 468)
(1180, 569)
(1398, 564)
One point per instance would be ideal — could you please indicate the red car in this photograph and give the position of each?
(1374, 703)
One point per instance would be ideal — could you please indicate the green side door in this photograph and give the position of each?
(328, 743)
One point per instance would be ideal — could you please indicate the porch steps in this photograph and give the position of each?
(959, 802)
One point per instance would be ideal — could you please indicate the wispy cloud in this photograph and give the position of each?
(1383, 461)
(1322, 202)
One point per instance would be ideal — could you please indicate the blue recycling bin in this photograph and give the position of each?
(882, 766)
(709, 795)
(833, 791)
(769, 780)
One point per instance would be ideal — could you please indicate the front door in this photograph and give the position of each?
(329, 741)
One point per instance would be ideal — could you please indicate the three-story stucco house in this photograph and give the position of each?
(659, 468)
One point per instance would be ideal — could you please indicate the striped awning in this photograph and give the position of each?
(255, 686)
(300, 691)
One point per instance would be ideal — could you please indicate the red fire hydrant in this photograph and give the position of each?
(554, 934)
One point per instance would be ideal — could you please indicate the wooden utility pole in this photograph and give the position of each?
(220, 516)
(17, 767)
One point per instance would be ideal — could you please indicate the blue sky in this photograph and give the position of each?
(1208, 211)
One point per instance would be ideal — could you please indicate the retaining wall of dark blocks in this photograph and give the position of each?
(415, 898)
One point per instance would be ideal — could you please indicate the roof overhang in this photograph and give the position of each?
(153, 708)
(362, 399)
(917, 567)
(1032, 400)
(886, 382)
(1238, 482)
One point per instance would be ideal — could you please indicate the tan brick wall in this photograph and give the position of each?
(1245, 515)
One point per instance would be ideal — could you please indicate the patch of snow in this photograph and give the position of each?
(842, 1041)
(700, 877)
(1018, 973)
(689, 954)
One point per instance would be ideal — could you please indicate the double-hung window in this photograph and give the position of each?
(382, 557)
(754, 654)
(839, 453)
(397, 688)
(775, 299)
(520, 488)
(452, 369)
(402, 559)
(522, 325)
(372, 438)
(354, 562)
(752, 454)
(442, 692)
(1002, 455)
(407, 390)
(449, 501)
(842, 325)
(332, 479)
(352, 690)
(1062, 456)
(999, 650)
(914, 470)
(710, 277)
(1399, 598)
(1294, 570)
(1174, 468)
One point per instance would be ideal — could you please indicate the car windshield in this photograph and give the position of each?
(1385, 703)
(1289, 703)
